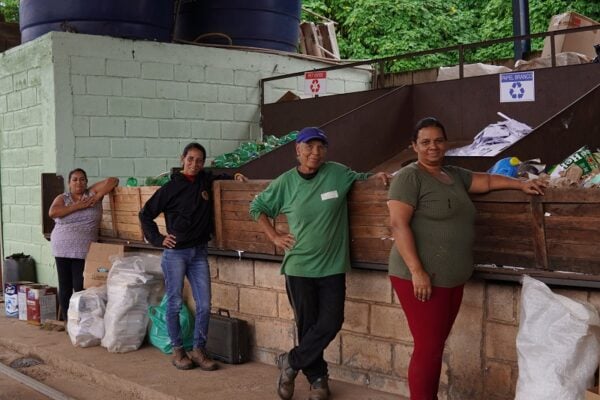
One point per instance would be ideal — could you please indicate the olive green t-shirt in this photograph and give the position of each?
(442, 224)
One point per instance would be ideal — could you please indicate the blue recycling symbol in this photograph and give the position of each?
(517, 90)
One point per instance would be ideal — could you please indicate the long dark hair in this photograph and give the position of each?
(194, 145)
(425, 123)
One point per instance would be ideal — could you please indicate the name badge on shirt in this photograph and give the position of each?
(329, 195)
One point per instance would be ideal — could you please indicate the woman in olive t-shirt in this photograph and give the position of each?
(432, 219)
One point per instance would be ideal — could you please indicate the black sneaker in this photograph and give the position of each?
(319, 389)
(287, 376)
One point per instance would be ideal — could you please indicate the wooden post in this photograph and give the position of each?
(539, 232)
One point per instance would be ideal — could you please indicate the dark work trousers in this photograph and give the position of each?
(318, 305)
(70, 279)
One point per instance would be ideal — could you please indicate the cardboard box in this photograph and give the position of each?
(41, 304)
(98, 263)
(22, 299)
(592, 394)
(581, 42)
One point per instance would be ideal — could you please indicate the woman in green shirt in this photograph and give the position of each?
(432, 221)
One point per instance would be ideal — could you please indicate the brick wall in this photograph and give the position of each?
(374, 346)
(118, 107)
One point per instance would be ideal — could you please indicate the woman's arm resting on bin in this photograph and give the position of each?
(483, 182)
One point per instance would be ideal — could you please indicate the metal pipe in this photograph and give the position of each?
(33, 384)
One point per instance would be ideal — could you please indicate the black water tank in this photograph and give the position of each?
(270, 24)
(134, 19)
(18, 267)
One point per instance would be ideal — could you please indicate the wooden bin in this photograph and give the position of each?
(120, 216)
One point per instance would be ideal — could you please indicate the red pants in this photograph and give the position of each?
(430, 323)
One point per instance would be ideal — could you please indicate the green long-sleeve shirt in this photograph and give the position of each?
(317, 214)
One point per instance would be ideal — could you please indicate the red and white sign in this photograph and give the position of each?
(315, 82)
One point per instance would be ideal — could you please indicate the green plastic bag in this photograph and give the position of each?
(159, 335)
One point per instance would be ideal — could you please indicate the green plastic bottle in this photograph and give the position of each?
(131, 182)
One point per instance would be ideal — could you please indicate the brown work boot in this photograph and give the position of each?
(287, 375)
(201, 359)
(319, 389)
(180, 359)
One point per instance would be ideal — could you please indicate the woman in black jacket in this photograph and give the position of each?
(187, 205)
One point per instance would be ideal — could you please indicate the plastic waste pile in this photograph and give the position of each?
(159, 180)
(249, 151)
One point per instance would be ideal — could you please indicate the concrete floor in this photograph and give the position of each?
(148, 374)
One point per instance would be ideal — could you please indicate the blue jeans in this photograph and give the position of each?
(193, 263)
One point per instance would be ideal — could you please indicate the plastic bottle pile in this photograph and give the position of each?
(249, 151)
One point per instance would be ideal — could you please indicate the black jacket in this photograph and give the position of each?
(187, 207)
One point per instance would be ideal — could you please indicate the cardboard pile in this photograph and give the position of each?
(581, 42)
(98, 263)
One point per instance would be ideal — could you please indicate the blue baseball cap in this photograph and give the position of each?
(309, 133)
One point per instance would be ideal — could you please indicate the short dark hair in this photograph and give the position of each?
(78, 170)
(425, 123)
(194, 145)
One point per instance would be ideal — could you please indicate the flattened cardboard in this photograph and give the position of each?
(581, 42)
(97, 263)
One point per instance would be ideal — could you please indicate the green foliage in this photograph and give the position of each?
(10, 9)
(378, 28)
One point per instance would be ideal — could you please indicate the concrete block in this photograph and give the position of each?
(92, 147)
(274, 334)
(28, 117)
(33, 215)
(246, 113)
(107, 126)
(231, 94)
(222, 146)
(203, 92)
(188, 109)
(349, 375)
(28, 97)
(35, 156)
(235, 130)
(102, 85)
(499, 379)
(356, 317)
(268, 275)
(389, 322)
(334, 86)
(6, 84)
(127, 148)
(22, 195)
(500, 303)
(15, 176)
(219, 112)
(369, 285)
(3, 104)
(6, 221)
(16, 158)
(401, 359)
(354, 86)
(81, 126)
(367, 353)
(8, 195)
(232, 270)
(261, 302)
(124, 106)
(161, 147)
(246, 78)
(333, 352)
(171, 90)
(90, 165)
(78, 84)
(158, 71)
(8, 122)
(13, 101)
(116, 167)
(189, 73)
(158, 108)
(33, 76)
(206, 129)
(574, 294)
(88, 65)
(141, 127)
(225, 296)
(149, 166)
(15, 139)
(219, 75)
(17, 216)
(284, 307)
(500, 341)
(134, 87)
(174, 129)
(122, 68)
(29, 136)
(90, 105)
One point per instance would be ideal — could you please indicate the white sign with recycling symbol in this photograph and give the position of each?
(517, 86)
